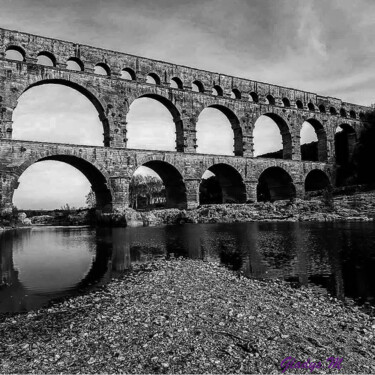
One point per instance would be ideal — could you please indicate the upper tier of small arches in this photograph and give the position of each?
(307, 102)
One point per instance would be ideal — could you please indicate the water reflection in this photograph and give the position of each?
(37, 265)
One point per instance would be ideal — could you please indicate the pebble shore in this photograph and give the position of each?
(188, 316)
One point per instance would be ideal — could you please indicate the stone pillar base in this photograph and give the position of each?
(192, 193)
(251, 191)
(119, 187)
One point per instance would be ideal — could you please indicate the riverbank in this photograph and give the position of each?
(358, 207)
(188, 316)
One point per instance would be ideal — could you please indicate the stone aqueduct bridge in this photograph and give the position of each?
(185, 92)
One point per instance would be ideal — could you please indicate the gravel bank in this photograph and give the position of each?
(187, 316)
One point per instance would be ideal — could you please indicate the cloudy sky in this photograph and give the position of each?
(319, 46)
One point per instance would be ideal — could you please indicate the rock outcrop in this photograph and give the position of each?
(358, 207)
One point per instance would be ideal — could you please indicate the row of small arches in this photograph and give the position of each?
(48, 59)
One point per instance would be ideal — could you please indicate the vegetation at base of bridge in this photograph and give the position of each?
(8, 216)
(188, 316)
(146, 192)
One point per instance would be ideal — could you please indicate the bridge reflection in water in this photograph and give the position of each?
(42, 264)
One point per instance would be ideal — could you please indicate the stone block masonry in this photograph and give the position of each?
(113, 80)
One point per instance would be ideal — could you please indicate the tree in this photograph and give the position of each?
(210, 191)
(146, 191)
(91, 199)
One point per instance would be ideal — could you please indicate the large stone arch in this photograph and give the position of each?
(275, 183)
(172, 107)
(95, 174)
(232, 117)
(229, 181)
(285, 130)
(91, 94)
(172, 178)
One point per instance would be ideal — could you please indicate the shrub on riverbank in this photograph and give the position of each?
(188, 316)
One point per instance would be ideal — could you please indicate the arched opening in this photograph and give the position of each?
(332, 111)
(176, 83)
(75, 64)
(46, 58)
(345, 143)
(214, 136)
(299, 104)
(253, 96)
(154, 124)
(173, 191)
(322, 108)
(361, 116)
(217, 91)
(236, 94)
(270, 100)
(153, 79)
(272, 138)
(102, 69)
(275, 184)
(311, 107)
(316, 180)
(342, 112)
(60, 181)
(15, 53)
(222, 183)
(353, 114)
(59, 111)
(197, 86)
(313, 141)
(128, 74)
(286, 102)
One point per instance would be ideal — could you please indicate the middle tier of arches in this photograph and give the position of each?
(185, 111)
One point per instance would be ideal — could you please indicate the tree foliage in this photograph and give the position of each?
(146, 191)
(91, 199)
(210, 191)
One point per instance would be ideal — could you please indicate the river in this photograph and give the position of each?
(40, 264)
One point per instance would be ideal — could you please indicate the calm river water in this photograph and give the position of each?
(44, 263)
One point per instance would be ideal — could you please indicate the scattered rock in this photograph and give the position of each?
(187, 316)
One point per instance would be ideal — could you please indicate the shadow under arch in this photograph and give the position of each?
(98, 181)
(275, 184)
(236, 127)
(316, 180)
(345, 144)
(322, 139)
(228, 186)
(93, 98)
(285, 133)
(175, 115)
(173, 181)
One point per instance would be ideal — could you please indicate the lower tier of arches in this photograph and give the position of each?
(189, 180)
